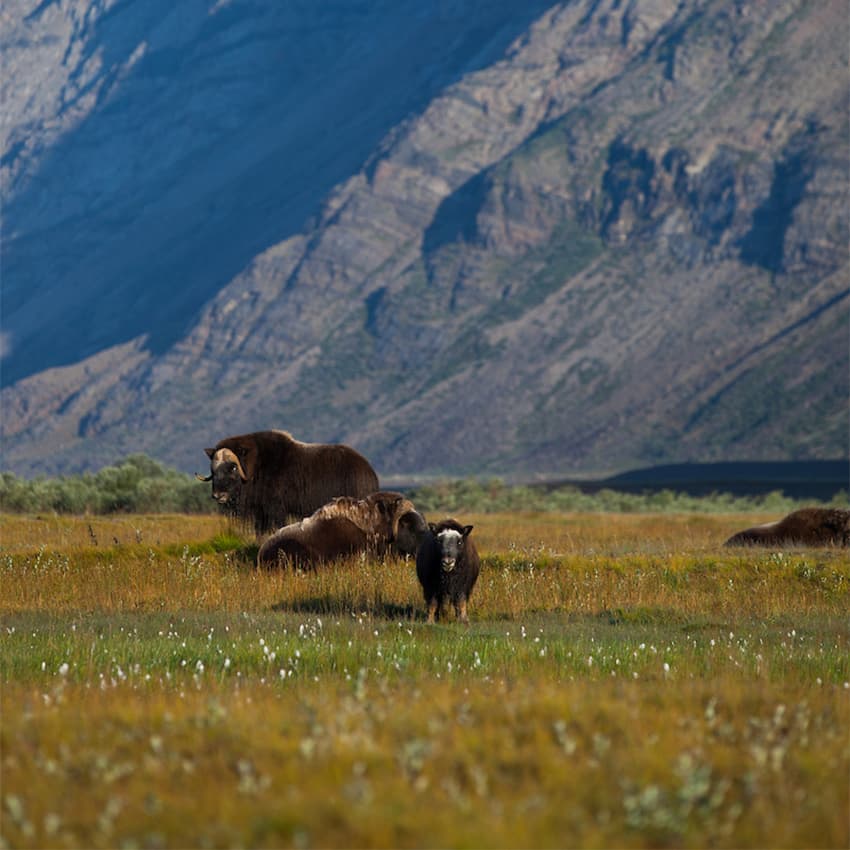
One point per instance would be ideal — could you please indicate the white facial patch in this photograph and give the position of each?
(451, 544)
(449, 536)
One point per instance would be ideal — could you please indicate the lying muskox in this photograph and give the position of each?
(807, 527)
(382, 522)
(268, 477)
(447, 567)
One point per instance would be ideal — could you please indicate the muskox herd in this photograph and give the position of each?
(311, 503)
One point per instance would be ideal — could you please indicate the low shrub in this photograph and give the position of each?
(136, 485)
(474, 496)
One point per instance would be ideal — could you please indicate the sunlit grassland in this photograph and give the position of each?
(625, 681)
(66, 534)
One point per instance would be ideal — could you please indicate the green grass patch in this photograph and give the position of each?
(226, 542)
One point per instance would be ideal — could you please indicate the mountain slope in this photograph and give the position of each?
(622, 242)
(156, 148)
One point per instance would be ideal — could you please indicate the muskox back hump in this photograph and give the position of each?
(312, 542)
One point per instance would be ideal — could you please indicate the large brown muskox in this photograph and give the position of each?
(447, 567)
(382, 522)
(268, 477)
(807, 527)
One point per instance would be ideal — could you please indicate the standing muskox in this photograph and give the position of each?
(380, 522)
(447, 567)
(267, 477)
(807, 527)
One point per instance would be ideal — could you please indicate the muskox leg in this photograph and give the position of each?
(432, 609)
(460, 610)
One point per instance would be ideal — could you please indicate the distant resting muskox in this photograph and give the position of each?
(447, 567)
(382, 522)
(806, 527)
(268, 477)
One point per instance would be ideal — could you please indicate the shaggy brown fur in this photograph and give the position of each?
(447, 567)
(268, 477)
(383, 521)
(311, 542)
(807, 527)
(387, 518)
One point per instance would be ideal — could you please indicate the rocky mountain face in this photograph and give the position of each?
(478, 238)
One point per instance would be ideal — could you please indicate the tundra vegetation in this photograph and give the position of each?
(624, 681)
(139, 484)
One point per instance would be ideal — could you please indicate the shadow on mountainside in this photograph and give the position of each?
(217, 131)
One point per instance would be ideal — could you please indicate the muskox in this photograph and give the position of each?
(268, 477)
(805, 527)
(447, 567)
(382, 522)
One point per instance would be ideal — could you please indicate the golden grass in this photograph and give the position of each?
(626, 681)
(567, 533)
(63, 533)
(579, 564)
(519, 763)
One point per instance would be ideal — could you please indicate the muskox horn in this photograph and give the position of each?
(246, 457)
(202, 478)
(240, 470)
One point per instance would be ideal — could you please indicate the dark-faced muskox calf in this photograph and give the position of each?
(805, 527)
(447, 566)
(382, 522)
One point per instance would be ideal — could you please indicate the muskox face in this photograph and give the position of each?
(411, 531)
(226, 474)
(450, 543)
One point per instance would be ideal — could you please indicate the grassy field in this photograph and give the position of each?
(625, 681)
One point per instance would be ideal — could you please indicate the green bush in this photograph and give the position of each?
(141, 485)
(494, 495)
(136, 485)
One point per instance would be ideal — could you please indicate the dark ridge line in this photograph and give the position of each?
(692, 421)
(791, 328)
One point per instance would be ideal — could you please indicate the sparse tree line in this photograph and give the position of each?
(140, 484)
